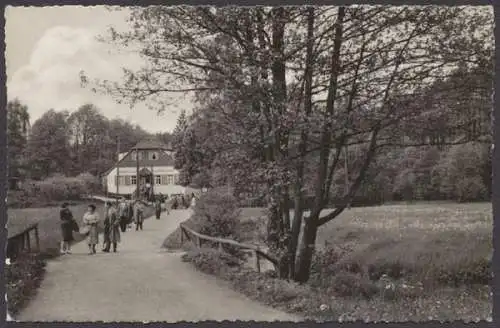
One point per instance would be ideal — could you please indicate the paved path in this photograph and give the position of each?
(141, 283)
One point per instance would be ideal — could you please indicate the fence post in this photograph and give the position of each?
(199, 241)
(28, 241)
(220, 247)
(182, 236)
(257, 261)
(37, 238)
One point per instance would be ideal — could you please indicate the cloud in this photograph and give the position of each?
(51, 78)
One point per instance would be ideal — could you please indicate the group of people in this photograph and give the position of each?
(117, 217)
(179, 202)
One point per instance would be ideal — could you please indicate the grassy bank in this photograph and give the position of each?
(397, 263)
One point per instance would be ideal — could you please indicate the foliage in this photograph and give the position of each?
(48, 145)
(280, 85)
(23, 277)
(52, 190)
(461, 173)
(384, 300)
(83, 141)
(211, 261)
(18, 127)
(216, 214)
(394, 263)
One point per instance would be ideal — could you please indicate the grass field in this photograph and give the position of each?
(48, 223)
(396, 262)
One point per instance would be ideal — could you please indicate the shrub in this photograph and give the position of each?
(23, 277)
(470, 189)
(351, 284)
(216, 214)
(90, 183)
(211, 261)
(54, 189)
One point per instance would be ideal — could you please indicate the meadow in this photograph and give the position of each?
(48, 222)
(399, 262)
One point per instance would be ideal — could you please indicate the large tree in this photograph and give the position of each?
(284, 85)
(49, 145)
(18, 126)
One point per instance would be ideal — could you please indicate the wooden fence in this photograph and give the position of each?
(21, 241)
(197, 239)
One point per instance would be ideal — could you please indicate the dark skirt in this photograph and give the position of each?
(67, 231)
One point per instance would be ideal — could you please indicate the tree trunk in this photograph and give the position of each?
(299, 179)
(306, 252)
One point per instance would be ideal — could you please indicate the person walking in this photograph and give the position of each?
(91, 220)
(130, 213)
(68, 225)
(193, 200)
(166, 201)
(158, 208)
(122, 214)
(138, 215)
(112, 222)
(105, 243)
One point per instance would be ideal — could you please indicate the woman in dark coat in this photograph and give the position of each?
(67, 227)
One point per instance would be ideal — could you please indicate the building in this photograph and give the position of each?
(156, 169)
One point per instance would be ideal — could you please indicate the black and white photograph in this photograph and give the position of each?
(249, 163)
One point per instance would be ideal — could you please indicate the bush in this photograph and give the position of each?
(211, 261)
(52, 191)
(351, 284)
(471, 189)
(216, 214)
(23, 277)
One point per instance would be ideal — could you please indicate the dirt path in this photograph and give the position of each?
(141, 282)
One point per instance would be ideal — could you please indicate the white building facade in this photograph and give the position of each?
(156, 170)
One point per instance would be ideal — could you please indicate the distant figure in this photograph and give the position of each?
(193, 201)
(138, 215)
(107, 226)
(130, 213)
(158, 209)
(122, 214)
(111, 228)
(68, 225)
(175, 203)
(90, 220)
(183, 201)
(166, 202)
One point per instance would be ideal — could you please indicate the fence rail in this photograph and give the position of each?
(199, 238)
(21, 241)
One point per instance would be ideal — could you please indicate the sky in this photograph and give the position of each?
(47, 47)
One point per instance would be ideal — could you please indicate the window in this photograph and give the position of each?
(163, 179)
(153, 155)
(134, 155)
(170, 179)
(158, 179)
(119, 180)
(133, 180)
(127, 180)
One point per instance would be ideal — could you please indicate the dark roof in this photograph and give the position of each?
(126, 161)
(151, 144)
